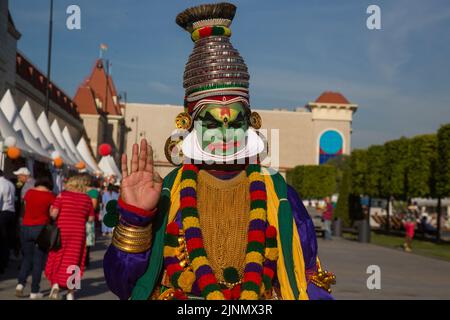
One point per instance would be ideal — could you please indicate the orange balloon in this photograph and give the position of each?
(13, 153)
(58, 162)
(80, 165)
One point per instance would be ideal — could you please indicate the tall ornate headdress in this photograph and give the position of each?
(214, 74)
(215, 70)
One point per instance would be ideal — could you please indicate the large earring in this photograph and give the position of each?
(183, 121)
(173, 148)
(255, 120)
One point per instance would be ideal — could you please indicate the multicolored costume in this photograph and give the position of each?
(235, 231)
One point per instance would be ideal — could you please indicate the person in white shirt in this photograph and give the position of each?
(24, 177)
(7, 219)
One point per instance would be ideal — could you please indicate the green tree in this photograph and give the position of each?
(313, 182)
(375, 171)
(342, 207)
(340, 163)
(421, 159)
(443, 169)
(358, 164)
(394, 177)
(394, 182)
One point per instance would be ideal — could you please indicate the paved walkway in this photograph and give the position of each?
(403, 275)
(93, 286)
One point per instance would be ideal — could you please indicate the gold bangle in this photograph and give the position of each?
(130, 248)
(133, 235)
(134, 228)
(132, 240)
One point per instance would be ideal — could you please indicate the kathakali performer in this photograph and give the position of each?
(219, 226)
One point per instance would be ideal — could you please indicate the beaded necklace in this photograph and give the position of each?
(261, 243)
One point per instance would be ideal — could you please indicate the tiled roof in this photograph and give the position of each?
(332, 97)
(85, 100)
(100, 85)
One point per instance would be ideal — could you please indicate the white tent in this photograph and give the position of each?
(58, 135)
(9, 109)
(30, 121)
(109, 167)
(83, 150)
(69, 142)
(7, 130)
(43, 124)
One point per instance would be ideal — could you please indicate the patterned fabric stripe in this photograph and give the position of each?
(208, 31)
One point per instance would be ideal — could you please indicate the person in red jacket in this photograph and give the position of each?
(38, 201)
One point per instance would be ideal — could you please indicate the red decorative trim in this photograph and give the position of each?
(136, 210)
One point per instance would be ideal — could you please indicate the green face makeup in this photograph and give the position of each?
(223, 128)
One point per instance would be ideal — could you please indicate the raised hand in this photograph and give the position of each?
(142, 186)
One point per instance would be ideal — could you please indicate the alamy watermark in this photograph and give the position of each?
(73, 21)
(374, 280)
(74, 280)
(373, 22)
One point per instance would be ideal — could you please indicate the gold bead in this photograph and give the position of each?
(183, 121)
(255, 120)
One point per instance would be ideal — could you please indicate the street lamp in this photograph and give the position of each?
(49, 60)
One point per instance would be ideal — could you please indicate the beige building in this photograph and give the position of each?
(304, 136)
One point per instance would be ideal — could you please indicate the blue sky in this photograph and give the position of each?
(399, 75)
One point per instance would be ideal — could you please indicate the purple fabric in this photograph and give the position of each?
(134, 219)
(308, 239)
(305, 228)
(122, 270)
(316, 293)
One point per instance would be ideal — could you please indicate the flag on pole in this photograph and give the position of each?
(103, 47)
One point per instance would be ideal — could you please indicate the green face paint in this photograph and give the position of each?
(223, 128)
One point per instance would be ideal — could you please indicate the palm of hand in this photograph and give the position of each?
(138, 190)
(142, 186)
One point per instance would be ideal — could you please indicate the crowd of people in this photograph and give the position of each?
(30, 205)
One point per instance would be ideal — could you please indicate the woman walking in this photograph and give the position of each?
(37, 214)
(71, 209)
